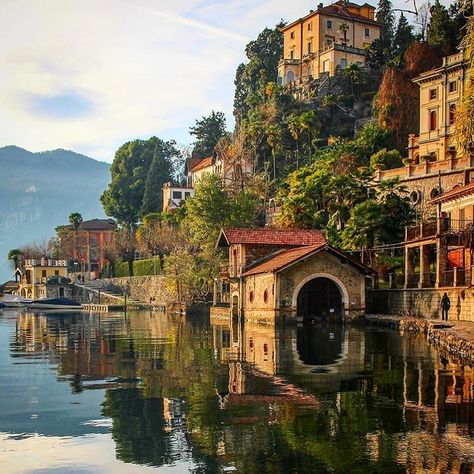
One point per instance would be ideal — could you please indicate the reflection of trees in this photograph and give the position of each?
(138, 426)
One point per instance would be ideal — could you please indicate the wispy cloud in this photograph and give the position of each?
(68, 105)
(197, 24)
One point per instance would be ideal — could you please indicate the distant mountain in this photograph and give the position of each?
(38, 191)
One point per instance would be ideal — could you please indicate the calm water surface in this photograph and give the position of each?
(113, 393)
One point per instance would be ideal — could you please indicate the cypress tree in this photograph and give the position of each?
(386, 18)
(158, 174)
(440, 28)
(403, 36)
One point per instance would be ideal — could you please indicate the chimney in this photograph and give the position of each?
(320, 6)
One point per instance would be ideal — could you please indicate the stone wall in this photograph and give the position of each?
(425, 185)
(140, 288)
(425, 303)
(326, 265)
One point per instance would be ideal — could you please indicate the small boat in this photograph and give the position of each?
(55, 303)
(14, 301)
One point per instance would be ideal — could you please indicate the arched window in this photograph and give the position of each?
(435, 192)
(416, 159)
(265, 296)
(290, 77)
(251, 296)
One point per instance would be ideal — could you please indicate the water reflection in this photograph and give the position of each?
(175, 391)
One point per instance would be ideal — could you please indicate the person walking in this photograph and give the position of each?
(445, 305)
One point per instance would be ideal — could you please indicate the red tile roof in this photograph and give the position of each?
(283, 258)
(456, 192)
(267, 236)
(204, 163)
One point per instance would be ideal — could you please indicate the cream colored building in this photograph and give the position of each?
(174, 196)
(35, 274)
(327, 39)
(435, 163)
(441, 90)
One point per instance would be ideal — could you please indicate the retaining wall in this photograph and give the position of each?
(140, 288)
(424, 303)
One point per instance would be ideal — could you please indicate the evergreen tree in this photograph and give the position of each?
(440, 33)
(386, 18)
(158, 174)
(208, 131)
(123, 198)
(403, 36)
(262, 67)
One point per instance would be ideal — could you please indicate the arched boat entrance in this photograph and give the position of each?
(320, 298)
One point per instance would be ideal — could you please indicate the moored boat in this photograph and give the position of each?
(14, 301)
(55, 303)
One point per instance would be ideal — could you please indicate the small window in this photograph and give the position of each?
(343, 63)
(453, 86)
(177, 195)
(56, 272)
(415, 197)
(329, 24)
(310, 26)
(292, 35)
(329, 42)
(265, 296)
(326, 65)
(251, 296)
(292, 54)
(452, 114)
(367, 32)
(433, 94)
(434, 193)
(43, 273)
(310, 47)
(187, 194)
(433, 120)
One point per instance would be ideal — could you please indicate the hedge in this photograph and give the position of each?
(148, 266)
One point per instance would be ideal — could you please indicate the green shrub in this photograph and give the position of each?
(149, 266)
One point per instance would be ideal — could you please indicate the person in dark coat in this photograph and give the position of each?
(445, 305)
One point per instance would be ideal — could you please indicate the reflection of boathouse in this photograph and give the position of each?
(288, 272)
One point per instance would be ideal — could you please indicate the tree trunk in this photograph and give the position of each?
(130, 266)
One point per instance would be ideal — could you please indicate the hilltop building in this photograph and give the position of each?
(435, 162)
(325, 40)
(174, 195)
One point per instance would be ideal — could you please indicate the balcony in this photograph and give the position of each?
(436, 228)
(288, 62)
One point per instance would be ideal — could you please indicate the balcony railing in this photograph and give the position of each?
(45, 262)
(436, 228)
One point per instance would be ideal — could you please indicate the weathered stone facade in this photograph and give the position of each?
(269, 297)
(425, 303)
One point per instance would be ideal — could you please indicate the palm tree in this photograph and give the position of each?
(344, 28)
(75, 219)
(15, 256)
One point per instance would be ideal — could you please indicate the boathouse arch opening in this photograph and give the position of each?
(320, 295)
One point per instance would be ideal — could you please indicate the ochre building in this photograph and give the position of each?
(325, 40)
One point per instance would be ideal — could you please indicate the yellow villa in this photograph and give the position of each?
(327, 39)
(35, 274)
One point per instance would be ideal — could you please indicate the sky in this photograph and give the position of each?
(90, 75)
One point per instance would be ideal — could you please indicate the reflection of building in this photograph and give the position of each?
(87, 244)
(286, 272)
(327, 39)
(35, 274)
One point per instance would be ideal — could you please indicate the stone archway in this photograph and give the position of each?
(321, 295)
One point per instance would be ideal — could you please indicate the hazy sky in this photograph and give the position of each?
(88, 75)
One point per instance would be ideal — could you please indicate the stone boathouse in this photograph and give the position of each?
(278, 274)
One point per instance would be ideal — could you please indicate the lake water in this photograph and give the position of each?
(147, 392)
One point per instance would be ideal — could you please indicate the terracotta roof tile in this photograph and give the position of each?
(204, 163)
(283, 258)
(264, 236)
(456, 192)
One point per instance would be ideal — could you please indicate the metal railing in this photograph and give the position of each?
(436, 228)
